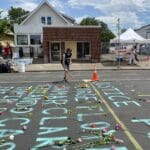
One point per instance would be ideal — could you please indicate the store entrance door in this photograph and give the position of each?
(55, 51)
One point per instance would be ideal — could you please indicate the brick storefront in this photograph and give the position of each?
(90, 34)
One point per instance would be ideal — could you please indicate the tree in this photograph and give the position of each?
(89, 21)
(4, 26)
(106, 33)
(17, 15)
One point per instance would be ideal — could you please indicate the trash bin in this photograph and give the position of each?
(119, 59)
(21, 67)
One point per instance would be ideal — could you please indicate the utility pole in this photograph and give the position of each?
(118, 49)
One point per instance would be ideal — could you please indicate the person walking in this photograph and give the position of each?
(66, 61)
(132, 59)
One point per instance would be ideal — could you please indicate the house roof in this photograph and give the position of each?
(70, 19)
(48, 4)
(142, 27)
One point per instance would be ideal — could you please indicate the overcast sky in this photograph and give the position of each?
(132, 13)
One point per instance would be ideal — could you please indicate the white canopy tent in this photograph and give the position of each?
(129, 36)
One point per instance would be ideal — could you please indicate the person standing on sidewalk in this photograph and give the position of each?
(136, 54)
(66, 61)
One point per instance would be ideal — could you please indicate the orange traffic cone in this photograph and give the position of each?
(95, 75)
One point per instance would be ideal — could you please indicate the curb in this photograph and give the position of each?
(90, 69)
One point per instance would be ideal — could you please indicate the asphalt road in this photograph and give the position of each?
(40, 111)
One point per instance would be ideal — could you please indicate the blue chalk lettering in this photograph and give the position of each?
(51, 130)
(48, 141)
(102, 125)
(90, 107)
(56, 102)
(42, 122)
(104, 85)
(85, 98)
(60, 93)
(146, 121)
(46, 111)
(3, 109)
(110, 132)
(25, 103)
(109, 148)
(25, 121)
(20, 111)
(8, 132)
(126, 103)
(80, 116)
(35, 96)
(8, 100)
(115, 97)
(113, 91)
(12, 97)
(57, 97)
(90, 137)
(8, 146)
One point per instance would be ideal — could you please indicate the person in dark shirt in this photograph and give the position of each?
(21, 54)
(66, 61)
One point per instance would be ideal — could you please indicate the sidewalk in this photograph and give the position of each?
(143, 65)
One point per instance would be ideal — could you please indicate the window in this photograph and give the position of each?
(83, 49)
(48, 20)
(22, 40)
(35, 39)
(43, 20)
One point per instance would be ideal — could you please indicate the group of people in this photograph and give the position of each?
(7, 51)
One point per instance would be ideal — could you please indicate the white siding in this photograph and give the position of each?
(45, 11)
(34, 25)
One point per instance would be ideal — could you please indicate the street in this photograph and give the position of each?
(40, 111)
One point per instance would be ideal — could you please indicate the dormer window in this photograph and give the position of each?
(43, 21)
(49, 20)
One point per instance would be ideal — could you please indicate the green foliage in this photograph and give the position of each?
(17, 15)
(106, 33)
(4, 26)
(89, 21)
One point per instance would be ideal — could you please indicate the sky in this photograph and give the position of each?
(132, 13)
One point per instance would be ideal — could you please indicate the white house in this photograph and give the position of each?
(29, 34)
